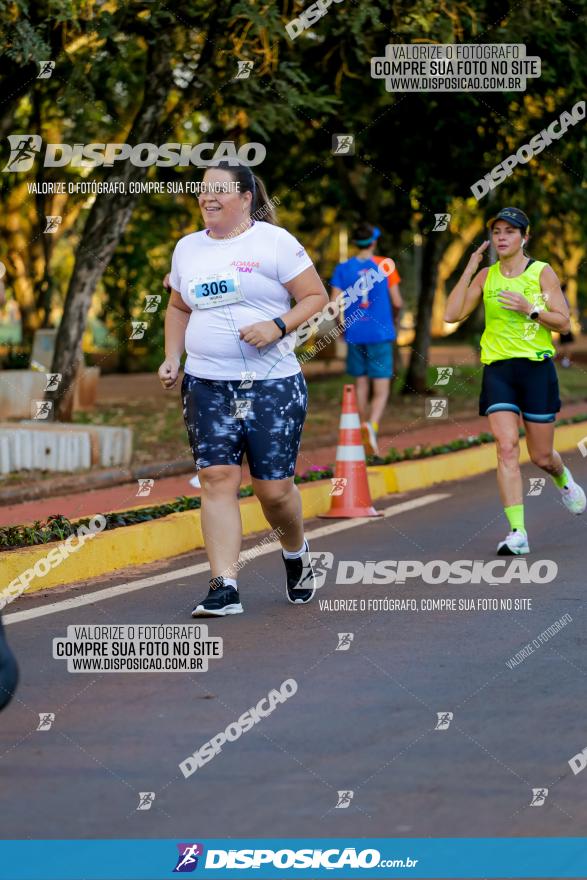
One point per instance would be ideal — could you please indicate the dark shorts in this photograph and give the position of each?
(8, 670)
(224, 421)
(529, 388)
(373, 359)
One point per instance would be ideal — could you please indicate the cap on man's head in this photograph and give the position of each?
(514, 216)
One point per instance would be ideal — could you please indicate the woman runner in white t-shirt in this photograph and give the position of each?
(231, 288)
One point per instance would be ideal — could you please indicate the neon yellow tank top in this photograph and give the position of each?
(511, 334)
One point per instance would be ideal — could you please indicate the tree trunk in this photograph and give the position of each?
(104, 227)
(415, 382)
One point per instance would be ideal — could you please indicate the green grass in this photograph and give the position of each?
(573, 384)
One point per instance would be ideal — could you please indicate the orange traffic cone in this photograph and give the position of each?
(350, 493)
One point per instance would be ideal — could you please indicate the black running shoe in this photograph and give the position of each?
(301, 580)
(222, 599)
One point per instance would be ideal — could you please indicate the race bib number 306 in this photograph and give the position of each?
(210, 291)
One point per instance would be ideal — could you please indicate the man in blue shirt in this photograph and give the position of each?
(369, 329)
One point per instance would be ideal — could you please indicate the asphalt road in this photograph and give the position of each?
(362, 719)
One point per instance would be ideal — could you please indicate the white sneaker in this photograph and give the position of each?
(516, 544)
(369, 438)
(573, 496)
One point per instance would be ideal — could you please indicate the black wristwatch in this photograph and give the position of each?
(281, 326)
(535, 312)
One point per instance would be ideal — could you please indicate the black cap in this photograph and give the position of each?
(513, 216)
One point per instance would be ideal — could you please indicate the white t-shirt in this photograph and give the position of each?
(259, 261)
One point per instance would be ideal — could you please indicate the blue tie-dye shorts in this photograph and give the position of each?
(224, 421)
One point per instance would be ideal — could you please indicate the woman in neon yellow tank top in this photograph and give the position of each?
(523, 304)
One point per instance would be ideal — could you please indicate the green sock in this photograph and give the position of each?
(515, 515)
(563, 479)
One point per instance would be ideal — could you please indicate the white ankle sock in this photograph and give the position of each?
(288, 554)
(230, 582)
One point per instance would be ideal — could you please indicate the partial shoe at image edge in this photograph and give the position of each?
(573, 497)
(8, 671)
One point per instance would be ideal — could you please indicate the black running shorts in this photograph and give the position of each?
(529, 388)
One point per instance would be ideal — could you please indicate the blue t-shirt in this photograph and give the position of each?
(370, 317)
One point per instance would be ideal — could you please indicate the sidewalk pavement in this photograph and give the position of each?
(168, 488)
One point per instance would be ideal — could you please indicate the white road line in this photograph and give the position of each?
(131, 586)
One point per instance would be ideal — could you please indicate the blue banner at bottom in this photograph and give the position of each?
(285, 858)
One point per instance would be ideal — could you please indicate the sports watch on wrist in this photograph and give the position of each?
(535, 312)
(281, 326)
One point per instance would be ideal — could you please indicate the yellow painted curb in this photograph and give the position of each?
(151, 541)
(179, 533)
(425, 472)
(109, 551)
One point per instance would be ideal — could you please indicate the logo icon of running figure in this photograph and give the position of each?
(188, 857)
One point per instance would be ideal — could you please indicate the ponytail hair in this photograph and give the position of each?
(262, 207)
